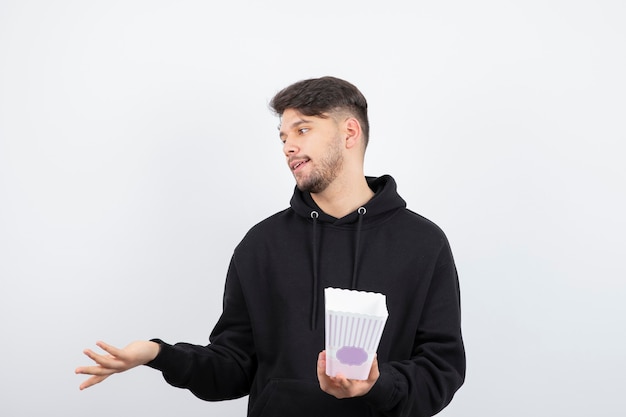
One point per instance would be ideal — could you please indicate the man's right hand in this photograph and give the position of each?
(117, 360)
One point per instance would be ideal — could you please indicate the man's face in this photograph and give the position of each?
(313, 149)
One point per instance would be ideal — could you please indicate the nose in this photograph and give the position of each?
(289, 147)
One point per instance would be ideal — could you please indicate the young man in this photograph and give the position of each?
(342, 230)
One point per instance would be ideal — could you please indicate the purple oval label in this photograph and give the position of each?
(351, 355)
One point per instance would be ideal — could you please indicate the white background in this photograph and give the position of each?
(137, 148)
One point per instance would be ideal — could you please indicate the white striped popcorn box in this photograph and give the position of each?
(354, 325)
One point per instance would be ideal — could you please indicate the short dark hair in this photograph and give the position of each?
(318, 96)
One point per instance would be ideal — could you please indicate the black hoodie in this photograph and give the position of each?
(271, 330)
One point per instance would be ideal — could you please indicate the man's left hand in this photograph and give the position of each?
(341, 387)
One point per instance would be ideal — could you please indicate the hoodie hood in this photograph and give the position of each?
(385, 201)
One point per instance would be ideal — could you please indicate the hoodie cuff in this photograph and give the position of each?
(172, 362)
(164, 357)
(380, 397)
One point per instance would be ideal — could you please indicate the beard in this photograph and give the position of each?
(326, 170)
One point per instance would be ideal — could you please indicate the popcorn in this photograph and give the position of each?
(355, 321)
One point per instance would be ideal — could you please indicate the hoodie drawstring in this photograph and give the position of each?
(316, 284)
(314, 216)
(361, 211)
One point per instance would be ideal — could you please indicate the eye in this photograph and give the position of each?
(303, 130)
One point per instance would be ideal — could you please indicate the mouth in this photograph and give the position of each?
(296, 165)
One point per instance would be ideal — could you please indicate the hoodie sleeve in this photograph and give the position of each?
(426, 383)
(225, 368)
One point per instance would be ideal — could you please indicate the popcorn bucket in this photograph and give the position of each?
(354, 325)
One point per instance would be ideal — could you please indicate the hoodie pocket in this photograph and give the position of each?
(293, 397)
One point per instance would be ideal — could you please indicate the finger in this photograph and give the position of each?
(111, 350)
(321, 362)
(374, 371)
(105, 361)
(323, 379)
(94, 370)
(343, 382)
(92, 381)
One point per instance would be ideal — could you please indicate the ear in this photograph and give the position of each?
(353, 132)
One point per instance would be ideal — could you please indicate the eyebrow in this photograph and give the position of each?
(293, 125)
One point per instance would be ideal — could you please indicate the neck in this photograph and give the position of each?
(342, 198)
